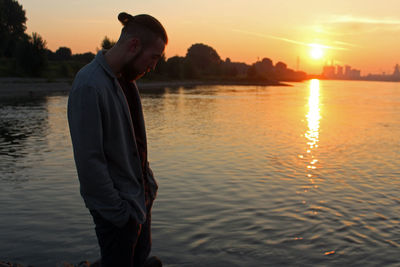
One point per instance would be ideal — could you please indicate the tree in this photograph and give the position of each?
(12, 26)
(230, 71)
(252, 72)
(281, 71)
(189, 70)
(63, 53)
(175, 67)
(50, 55)
(265, 68)
(280, 66)
(31, 55)
(107, 43)
(203, 58)
(85, 57)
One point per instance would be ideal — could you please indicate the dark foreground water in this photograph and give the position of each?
(307, 175)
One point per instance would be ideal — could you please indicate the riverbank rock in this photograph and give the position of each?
(9, 264)
(64, 264)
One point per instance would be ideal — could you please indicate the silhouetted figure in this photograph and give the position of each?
(109, 140)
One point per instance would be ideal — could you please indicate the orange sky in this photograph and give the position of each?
(363, 34)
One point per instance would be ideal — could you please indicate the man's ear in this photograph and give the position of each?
(134, 46)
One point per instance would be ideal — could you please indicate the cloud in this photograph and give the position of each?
(350, 25)
(287, 40)
(345, 44)
(350, 19)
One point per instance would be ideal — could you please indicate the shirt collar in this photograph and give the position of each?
(103, 63)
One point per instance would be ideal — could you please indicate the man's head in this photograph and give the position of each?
(143, 40)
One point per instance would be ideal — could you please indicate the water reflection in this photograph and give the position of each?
(23, 127)
(313, 119)
(223, 155)
(313, 115)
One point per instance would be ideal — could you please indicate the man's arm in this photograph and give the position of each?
(86, 127)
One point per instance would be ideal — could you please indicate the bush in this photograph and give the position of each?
(31, 57)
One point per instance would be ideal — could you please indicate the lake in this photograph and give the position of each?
(306, 175)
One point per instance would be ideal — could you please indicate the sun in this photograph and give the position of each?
(316, 51)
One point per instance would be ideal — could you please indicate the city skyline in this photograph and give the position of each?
(348, 73)
(362, 34)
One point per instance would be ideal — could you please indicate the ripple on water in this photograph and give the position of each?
(246, 178)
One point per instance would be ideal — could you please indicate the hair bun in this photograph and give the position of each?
(124, 18)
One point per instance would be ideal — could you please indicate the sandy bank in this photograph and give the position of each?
(14, 87)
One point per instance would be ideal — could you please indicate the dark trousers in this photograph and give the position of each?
(128, 246)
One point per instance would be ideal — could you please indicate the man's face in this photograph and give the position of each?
(144, 61)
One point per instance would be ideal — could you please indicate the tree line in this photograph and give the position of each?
(203, 62)
(27, 55)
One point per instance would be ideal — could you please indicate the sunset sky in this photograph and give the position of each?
(364, 34)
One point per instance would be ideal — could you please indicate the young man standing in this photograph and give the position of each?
(109, 142)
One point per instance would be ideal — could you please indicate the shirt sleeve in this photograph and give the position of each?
(86, 128)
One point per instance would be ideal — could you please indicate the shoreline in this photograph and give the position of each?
(31, 87)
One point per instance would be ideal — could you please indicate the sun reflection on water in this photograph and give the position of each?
(312, 134)
(313, 115)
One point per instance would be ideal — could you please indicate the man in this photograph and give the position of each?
(109, 141)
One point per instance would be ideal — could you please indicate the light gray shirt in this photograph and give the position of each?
(105, 151)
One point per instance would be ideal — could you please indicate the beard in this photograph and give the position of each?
(130, 72)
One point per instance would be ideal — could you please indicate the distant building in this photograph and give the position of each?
(339, 71)
(395, 77)
(332, 72)
(396, 73)
(328, 72)
(355, 74)
(347, 71)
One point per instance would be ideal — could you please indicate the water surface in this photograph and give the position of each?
(306, 175)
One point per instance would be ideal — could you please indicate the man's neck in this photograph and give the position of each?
(114, 60)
